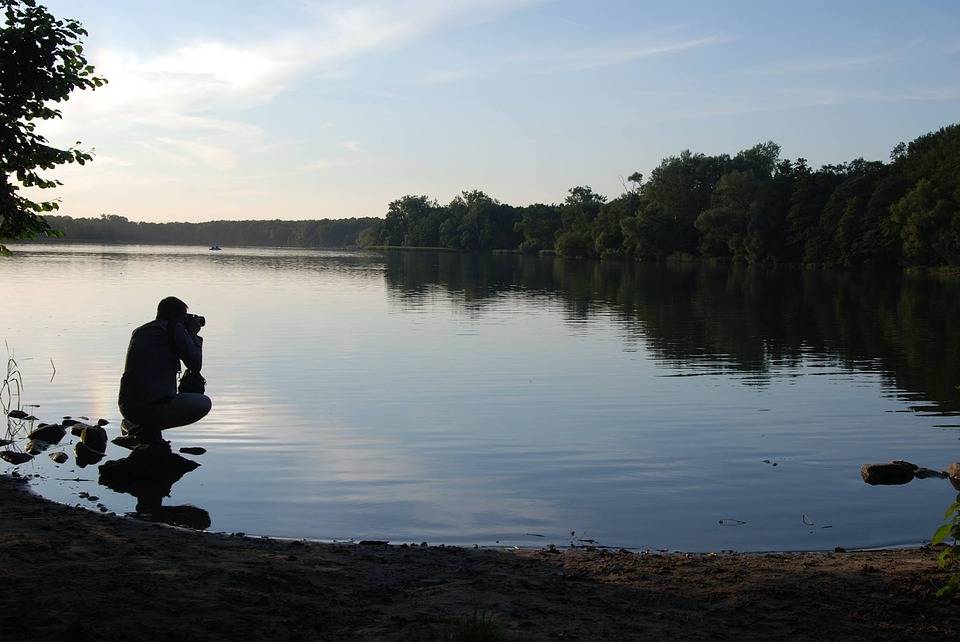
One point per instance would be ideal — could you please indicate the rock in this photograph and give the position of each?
(94, 438)
(193, 450)
(77, 429)
(926, 473)
(126, 441)
(68, 422)
(102, 422)
(896, 472)
(60, 457)
(185, 516)
(953, 470)
(5, 442)
(15, 457)
(52, 433)
(86, 455)
(36, 446)
(17, 414)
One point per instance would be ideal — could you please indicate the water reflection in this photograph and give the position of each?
(714, 318)
(477, 399)
(148, 473)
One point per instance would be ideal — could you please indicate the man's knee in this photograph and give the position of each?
(205, 404)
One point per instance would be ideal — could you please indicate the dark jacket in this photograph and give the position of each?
(153, 361)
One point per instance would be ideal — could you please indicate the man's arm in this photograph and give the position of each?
(189, 347)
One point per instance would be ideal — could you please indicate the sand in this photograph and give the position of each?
(70, 573)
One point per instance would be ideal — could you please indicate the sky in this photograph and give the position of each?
(294, 109)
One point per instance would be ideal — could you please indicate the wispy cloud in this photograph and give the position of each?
(809, 67)
(351, 146)
(618, 53)
(808, 98)
(181, 88)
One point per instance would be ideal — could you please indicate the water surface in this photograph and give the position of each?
(485, 399)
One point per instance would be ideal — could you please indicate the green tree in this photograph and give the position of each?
(41, 62)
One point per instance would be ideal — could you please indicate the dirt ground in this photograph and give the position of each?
(72, 574)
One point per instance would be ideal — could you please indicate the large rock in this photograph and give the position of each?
(894, 473)
(953, 470)
(60, 457)
(94, 438)
(52, 433)
(14, 457)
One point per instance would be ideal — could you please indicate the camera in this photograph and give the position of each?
(196, 320)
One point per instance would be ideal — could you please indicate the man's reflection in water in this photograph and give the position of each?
(149, 473)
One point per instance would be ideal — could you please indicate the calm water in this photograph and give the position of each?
(509, 400)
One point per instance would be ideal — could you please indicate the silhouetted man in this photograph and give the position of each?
(148, 388)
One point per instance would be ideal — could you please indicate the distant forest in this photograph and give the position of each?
(112, 228)
(754, 207)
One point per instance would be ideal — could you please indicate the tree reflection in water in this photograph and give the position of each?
(749, 319)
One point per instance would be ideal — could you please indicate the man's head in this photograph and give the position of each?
(172, 309)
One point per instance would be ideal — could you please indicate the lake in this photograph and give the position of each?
(503, 400)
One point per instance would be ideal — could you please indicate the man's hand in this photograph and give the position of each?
(192, 324)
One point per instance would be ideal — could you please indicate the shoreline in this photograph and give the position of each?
(114, 577)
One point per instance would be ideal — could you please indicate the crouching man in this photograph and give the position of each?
(149, 399)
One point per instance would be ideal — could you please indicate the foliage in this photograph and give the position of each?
(753, 207)
(323, 233)
(41, 62)
(949, 559)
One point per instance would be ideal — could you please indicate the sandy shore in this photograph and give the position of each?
(69, 573)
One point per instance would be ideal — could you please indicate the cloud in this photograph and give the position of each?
(179, 88)
(808, 98)
(617, 53)
(788, 68)
(350, 145)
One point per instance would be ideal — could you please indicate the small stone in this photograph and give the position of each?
(76, 429)
(953, 470)
(50, 433)
(102, 422)
(17, 414)
(35, 446)
(193, 450)
(925, 473)
(60, 457)
(68, 422)
(126, 441)
(894, 473)
(5, 442)
(839, 549)
(86, 455)
(14, 457)
(94, 438)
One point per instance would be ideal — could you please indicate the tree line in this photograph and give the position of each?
(754, 207)
(338, 233)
